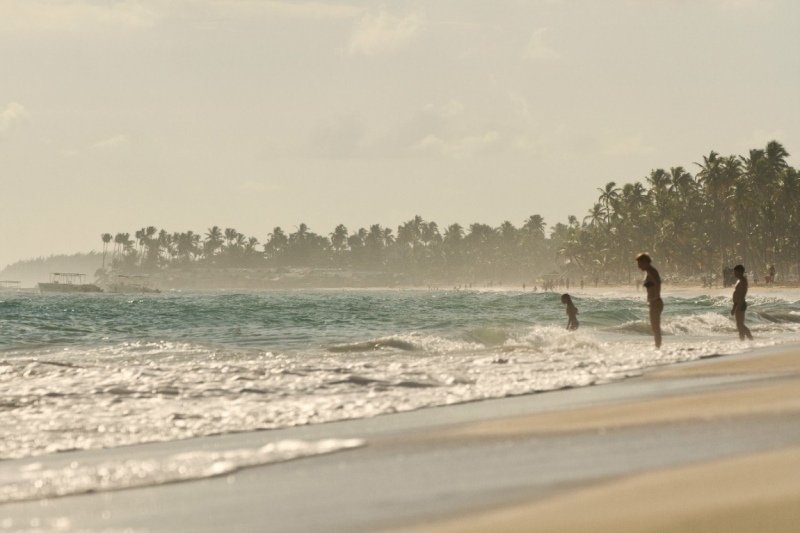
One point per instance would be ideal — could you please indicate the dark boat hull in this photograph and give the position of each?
(130, 289)
(68, 288)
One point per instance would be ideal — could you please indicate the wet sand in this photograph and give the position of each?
(759, 492)
(712, 445)
(755, 492)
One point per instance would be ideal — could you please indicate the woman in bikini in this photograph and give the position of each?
(652, 282)
(572, 312)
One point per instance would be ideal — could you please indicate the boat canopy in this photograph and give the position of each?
(70, 278)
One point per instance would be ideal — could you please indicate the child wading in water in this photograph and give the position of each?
(572, 312)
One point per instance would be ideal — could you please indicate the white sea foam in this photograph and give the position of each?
(51, 406)
(700, 324)
(91, 394)
(32, 481)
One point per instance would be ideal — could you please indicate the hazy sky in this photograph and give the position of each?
(251, 114)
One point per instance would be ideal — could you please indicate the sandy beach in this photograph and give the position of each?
(712, 445)
(752, 492)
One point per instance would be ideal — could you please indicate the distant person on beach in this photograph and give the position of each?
(652, 282)
(739, 305)
(772, 274)
(572, 312)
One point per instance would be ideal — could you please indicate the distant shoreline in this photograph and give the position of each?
(320, 279)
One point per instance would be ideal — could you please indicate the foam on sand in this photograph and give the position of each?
(32, 481)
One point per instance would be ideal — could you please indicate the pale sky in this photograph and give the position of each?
(183, 114)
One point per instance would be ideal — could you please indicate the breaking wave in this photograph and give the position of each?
(108, 373)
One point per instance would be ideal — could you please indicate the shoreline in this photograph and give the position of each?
(757, 491)
(678, 400)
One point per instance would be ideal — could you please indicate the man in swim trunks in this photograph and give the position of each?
(739, 305)
(652, 282)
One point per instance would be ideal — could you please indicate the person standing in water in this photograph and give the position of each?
(572, 312)
(739, 305)
(652, 282)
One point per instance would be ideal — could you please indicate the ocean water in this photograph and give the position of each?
(88, 371)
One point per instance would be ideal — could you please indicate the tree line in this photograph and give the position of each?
(418, 248)
(734, 209)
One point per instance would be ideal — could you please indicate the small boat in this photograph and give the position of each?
(68, 282)
(9, 285)
(131, 284)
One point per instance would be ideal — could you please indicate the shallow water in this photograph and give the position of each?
(33, 481)
(89, 371)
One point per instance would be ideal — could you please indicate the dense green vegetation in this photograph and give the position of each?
(735, 209)
(418, 249)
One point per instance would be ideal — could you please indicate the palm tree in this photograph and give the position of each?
(573, 221)
(429, 233)
(356, 240)
(339, 238)
(173, 246)
(163, 243)
(595, 216)
(230, 235)
(535, 226)
(375, 236)
(776, 156)
(277, 242)
(453, 234)
(139, 236)
(658, 179)
(106, 238)
(715, 183)
(213, 240)
(388, 238)
(128, 243)
(741, 200)
(188, 245)
(374, 245)
(150, 246)
(302, 231)
(508, 232)
(681, 182)
(120, 240)
(452, 245)
(607, 197)
(405, 234)
(250, 251)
